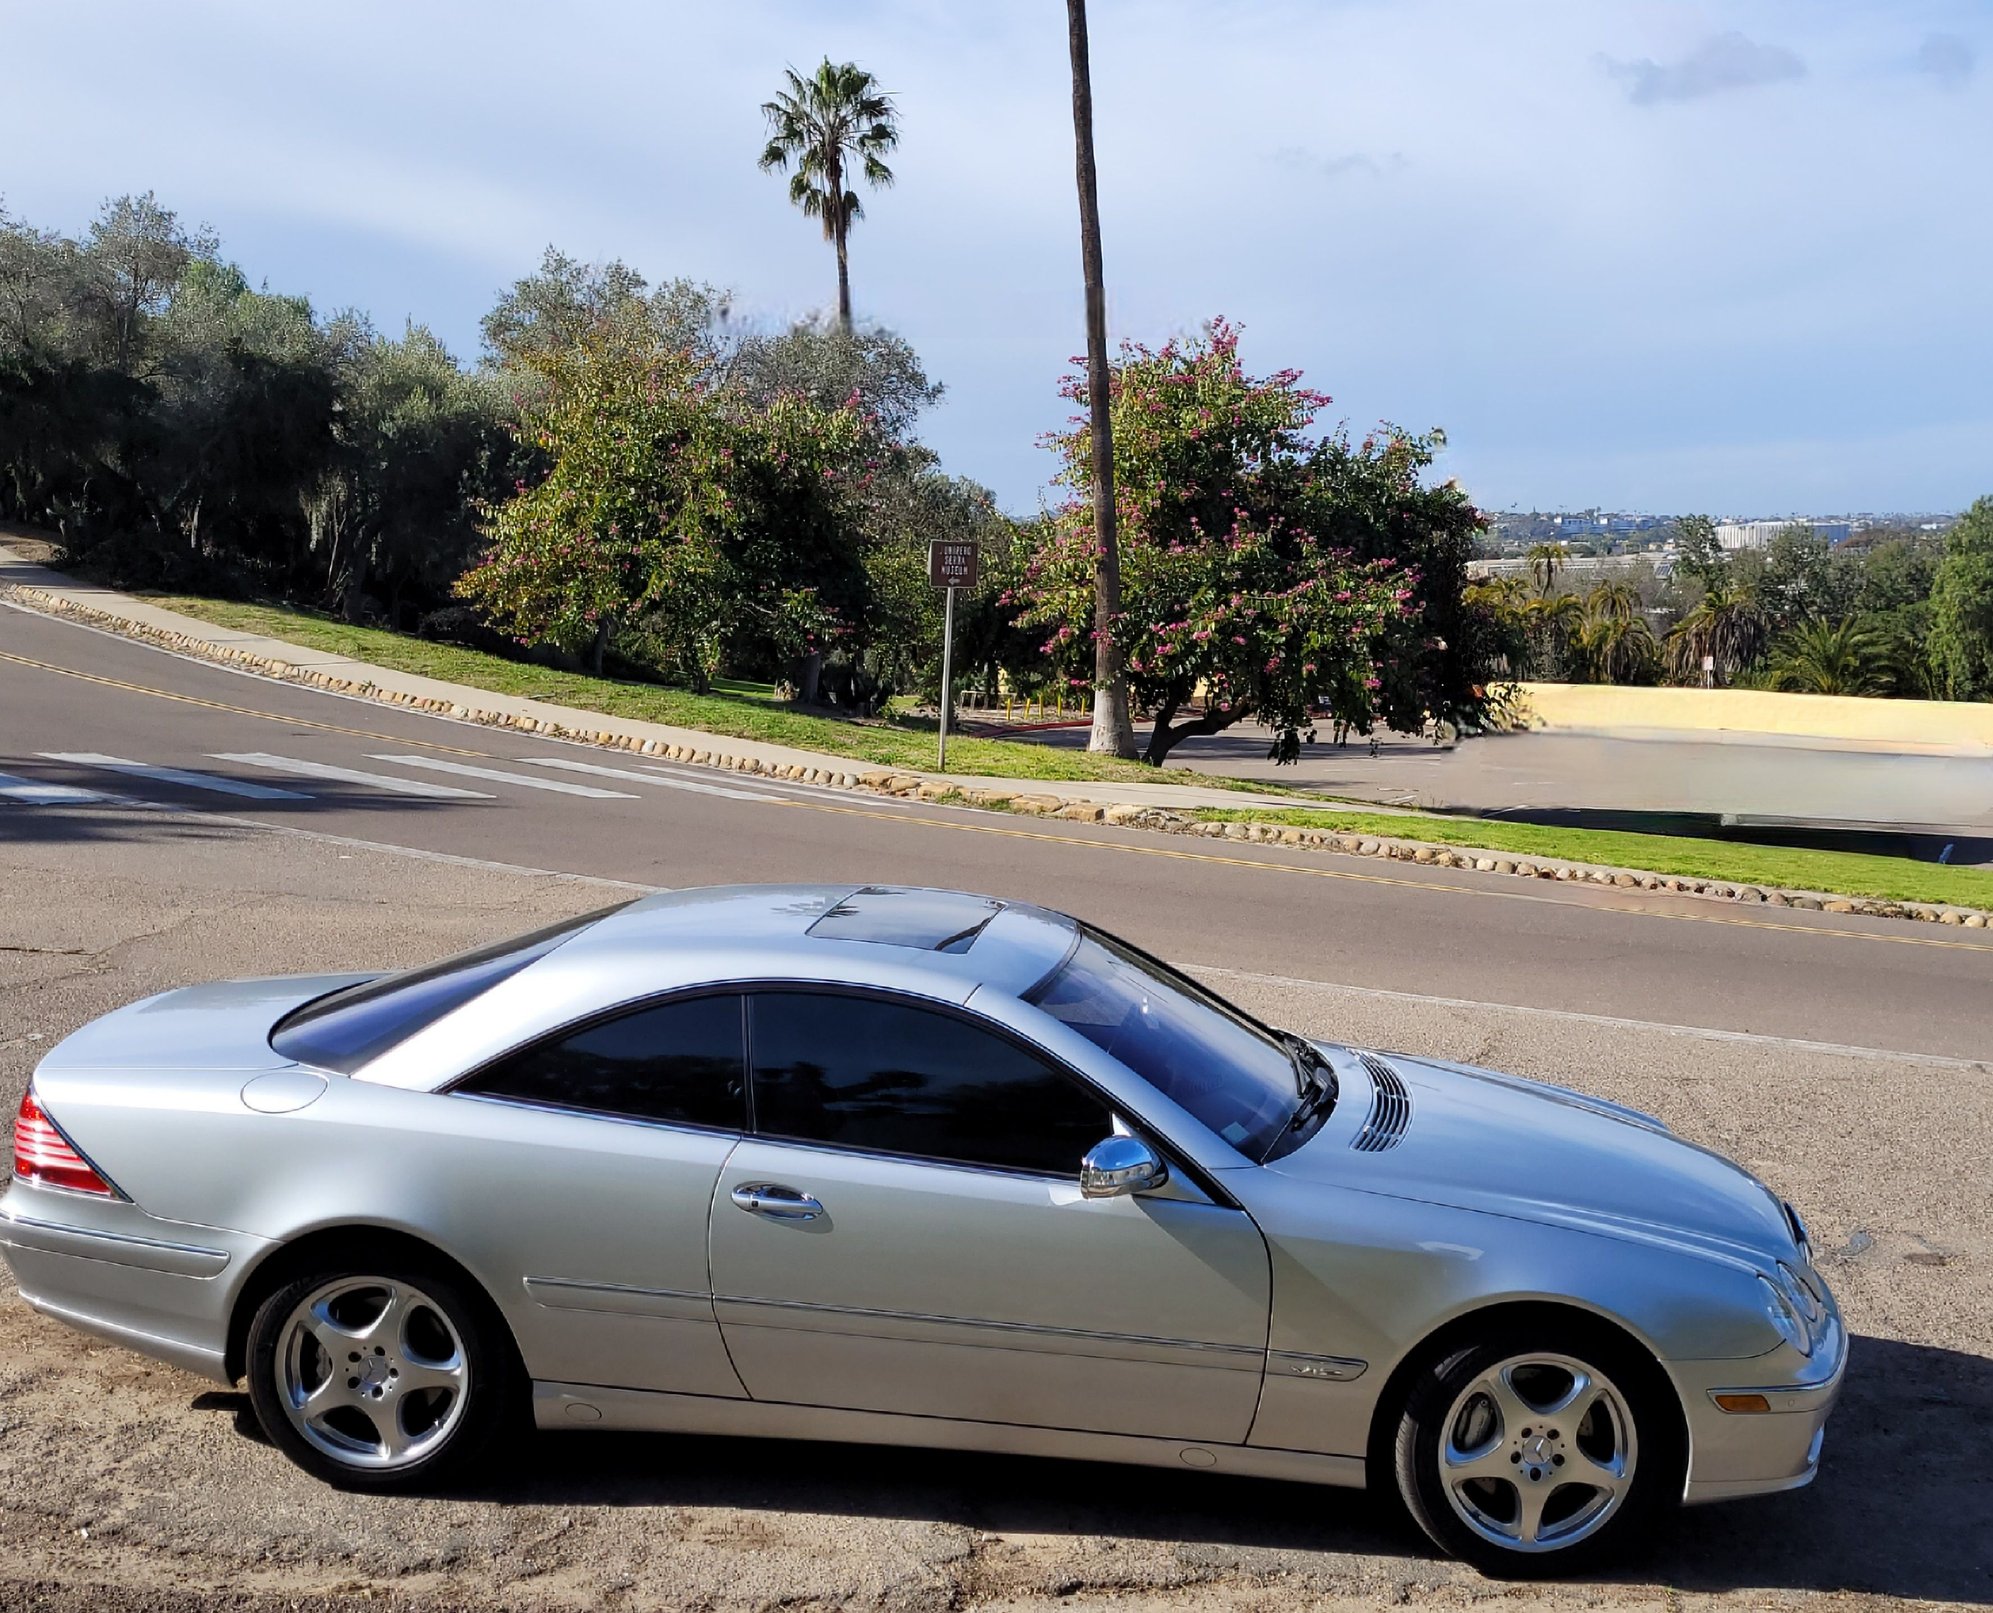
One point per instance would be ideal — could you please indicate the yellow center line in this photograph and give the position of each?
(240, 711)
(1047, 837)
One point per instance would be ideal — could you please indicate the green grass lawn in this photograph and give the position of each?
(735, 708)
(1846, 873)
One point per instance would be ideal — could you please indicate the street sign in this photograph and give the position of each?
(953, 564)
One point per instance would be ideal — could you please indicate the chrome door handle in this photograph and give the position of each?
(773, 1199)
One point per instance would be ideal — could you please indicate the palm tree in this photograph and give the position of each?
(1819, 657)
(1113, 734)
(1726, 627)
(1614, 599)
(833, 125)
(1544, 561)
(1609, 648)
(1553, 622)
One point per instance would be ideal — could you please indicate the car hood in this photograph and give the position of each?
(1501, 1145)
(221, 1026)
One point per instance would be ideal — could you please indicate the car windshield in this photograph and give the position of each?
(353, 1026)
(1228, 1070)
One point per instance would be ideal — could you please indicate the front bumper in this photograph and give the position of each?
(1743, 1453)
(106, 1267)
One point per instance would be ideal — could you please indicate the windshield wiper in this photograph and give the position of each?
(1314, 1080)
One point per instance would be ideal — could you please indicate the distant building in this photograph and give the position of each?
(1759, 534)
(1591, 567)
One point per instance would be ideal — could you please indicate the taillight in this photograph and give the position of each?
(42, 1154)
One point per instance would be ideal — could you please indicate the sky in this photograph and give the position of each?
(1641, 254)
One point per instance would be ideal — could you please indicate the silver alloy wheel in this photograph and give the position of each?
(1537, 1453)
(372, 1372)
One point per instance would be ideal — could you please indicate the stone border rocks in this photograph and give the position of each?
(1030, 799)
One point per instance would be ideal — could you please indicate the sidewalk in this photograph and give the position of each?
(185, 633)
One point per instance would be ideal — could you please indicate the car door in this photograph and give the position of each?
(903, 1231)
(601, 1145)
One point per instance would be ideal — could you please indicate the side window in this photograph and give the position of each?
(678, 1061)
(866, 1073)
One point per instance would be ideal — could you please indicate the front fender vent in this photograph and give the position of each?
(1390, 1108)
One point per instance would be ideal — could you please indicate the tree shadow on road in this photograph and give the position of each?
(1903, 1506)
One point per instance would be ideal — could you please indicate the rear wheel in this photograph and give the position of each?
(378, 1375)
(1538, 1455)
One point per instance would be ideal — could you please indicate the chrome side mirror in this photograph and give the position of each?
(1121, 1165)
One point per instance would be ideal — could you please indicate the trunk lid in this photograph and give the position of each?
(221, 1026)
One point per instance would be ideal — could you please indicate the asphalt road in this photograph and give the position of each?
(127, 1487)
(84, 715)
(1683, 783)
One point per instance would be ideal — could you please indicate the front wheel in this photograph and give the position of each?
(1535, 1455)
(378, 1375)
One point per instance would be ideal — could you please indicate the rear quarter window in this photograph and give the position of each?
(355, 1025)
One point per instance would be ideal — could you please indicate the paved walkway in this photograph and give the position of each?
(19, 571)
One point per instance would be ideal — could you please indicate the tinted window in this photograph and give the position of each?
(351, 1027)
(871, 1074)
(678, 1061)
(1193, 1047)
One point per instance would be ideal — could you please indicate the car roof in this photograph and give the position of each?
(960, 939)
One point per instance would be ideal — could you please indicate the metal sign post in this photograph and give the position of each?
(947, 666)
(950, 565)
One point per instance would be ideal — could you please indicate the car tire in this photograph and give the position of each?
(381, 1374)
(1541, 1451)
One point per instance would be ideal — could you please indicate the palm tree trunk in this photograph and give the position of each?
(843, 284)
(1113, 734)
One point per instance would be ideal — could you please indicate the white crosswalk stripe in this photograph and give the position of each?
(174, 775)
(496, 776)
(672, 782)
(349, 775)
(30, 793)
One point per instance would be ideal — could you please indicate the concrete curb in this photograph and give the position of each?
(1030, 799)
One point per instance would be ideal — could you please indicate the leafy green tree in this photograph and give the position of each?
(1372, 499)
(668, 520)
(833, 126)
(1961, 644)
(1895, 573)
(420, 445)
(41, 285)
(1699, 558)
(1801, 581)
(566, 302)
(1242, 585)
(873, 370)
(135, 253)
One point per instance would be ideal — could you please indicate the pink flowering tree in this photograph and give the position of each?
(672, 520)
(1249, 587)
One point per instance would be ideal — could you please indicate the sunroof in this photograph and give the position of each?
(933, 921)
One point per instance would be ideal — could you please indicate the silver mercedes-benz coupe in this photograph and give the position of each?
(916, 1167)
